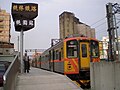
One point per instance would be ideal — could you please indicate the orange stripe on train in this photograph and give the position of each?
(74, 63)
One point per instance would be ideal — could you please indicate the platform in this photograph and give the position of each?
(39, 79)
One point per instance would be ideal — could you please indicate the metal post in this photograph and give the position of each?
(18, 43)
(117, 45)
(21, 49)
(111, 32)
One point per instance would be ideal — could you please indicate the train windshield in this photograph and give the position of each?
(94, 48)
(72, 48)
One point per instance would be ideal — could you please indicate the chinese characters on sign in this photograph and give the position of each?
(24, 11)
(23, 15)
(26, 8)
(24, 22)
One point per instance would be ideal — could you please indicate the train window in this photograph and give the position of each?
(84, 50)
(57, 54)
(94, 49)
(49, 55)
(72, 49)
(61, 52)
(53, 55)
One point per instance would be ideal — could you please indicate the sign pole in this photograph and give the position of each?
(23, 15)
(21, 50)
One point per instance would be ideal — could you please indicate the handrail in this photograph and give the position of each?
(10, 75)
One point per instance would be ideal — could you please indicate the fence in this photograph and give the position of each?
(11, 74)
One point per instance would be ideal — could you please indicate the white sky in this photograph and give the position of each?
(47, 22)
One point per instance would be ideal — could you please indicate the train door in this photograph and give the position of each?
(52, 60)
(84, 55)
(40, 62)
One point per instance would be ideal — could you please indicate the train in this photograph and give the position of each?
(71, 57)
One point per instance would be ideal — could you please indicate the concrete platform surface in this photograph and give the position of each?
(39, 79)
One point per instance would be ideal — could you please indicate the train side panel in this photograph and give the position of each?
(45, 64)
(59, 66)
(59, 61)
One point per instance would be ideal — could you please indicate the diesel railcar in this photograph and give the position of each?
(72, 57)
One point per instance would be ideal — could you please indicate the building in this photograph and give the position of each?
(103, 46)
(70, 25)
(67, 24)
(5, 24)
(86, 30)
(6, 48)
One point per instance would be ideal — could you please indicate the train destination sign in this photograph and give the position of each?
(24, 10)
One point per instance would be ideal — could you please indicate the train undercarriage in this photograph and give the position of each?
(82, 79)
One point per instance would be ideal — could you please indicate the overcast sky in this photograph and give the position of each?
(90, 12)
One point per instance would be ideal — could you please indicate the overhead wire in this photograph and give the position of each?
(98, 21)
(103, 22)
(118, 18)
(118, 22)
(100, 24)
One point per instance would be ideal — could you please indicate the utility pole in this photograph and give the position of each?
(111, 10)
(111, 33)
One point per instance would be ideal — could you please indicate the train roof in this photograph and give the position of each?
(67, 39)
(53, 46)
(80, 38)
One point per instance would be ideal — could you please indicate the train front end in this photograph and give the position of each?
(71, 57)
(78, 53)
